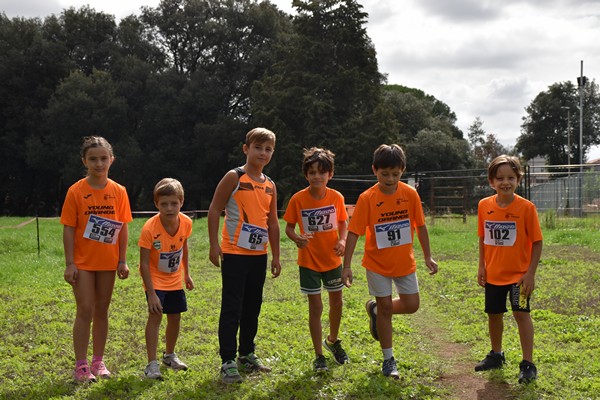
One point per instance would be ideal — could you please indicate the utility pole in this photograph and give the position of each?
(568, 139)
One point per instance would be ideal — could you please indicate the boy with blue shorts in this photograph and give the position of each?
(322, 218)
(388, 212)
(164, 267)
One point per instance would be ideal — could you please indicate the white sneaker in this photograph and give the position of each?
(172, 361)
(152, 370)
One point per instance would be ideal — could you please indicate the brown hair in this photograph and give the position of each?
(168, 187)
(389, 156)
(94, 141)
(512, 162)
(260, 135)
(323, 158)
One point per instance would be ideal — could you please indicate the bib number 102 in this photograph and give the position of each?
(498, 234)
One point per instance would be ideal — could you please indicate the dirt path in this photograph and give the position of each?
(458, 376)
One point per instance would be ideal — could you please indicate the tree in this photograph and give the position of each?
(485, 146)
(544, 128)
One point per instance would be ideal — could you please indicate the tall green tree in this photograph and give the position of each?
(544, 128)
(485, 146)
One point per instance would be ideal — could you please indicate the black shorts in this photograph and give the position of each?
(172, 301)
(495, 298)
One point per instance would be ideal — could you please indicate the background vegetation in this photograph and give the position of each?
(38, 311)
(176, 88)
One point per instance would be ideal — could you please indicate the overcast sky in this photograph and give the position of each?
(484, 58)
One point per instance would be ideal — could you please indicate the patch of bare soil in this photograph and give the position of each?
(458, 375)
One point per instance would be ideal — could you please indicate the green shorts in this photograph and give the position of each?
(310, 280)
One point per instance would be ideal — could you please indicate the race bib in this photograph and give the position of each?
(392, 234)
(169, 262)
(102, 229)
(319, 219)
(253, 237)
(500, 233)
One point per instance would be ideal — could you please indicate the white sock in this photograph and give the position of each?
(388, 353)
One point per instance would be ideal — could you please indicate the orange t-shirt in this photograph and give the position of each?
(508, 234)
(166, 252)
(389, 221)
(245, 230)
(98, 216)
(321, 218)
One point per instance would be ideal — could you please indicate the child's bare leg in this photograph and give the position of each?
(496, 328)
(405, 304)
(172, 332)
(105, 282)
(525, 325)
(384, 321)
(335, 314)
(315, 309)
(84, 298)
(152, 328)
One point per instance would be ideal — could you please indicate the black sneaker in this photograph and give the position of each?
(320, 364)
(370, 307)
(528, 372)
(335, 348)
(251, 363)
(491, 361)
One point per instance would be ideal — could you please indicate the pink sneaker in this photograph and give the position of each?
(83, 374)
(99, 369)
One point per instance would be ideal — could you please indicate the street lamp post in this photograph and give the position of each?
(568, 139)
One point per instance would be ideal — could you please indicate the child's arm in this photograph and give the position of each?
(351, 240)
(154, 306)
(274, 235)
(122, 268)
(340, 246)
(189, 282)
(424, 240)
(481, 272)
(71, 270)
(219, 200)
(527, 281)
(300, 240)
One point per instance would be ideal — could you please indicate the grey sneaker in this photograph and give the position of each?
(320, 364)
(152, 370)
(389, 368)
(491, 361)
(172, 361)
(370, 307)
(251, 363)
(528, 372)
(335, 348)
(230, 373)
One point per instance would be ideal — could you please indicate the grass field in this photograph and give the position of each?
(38, 309)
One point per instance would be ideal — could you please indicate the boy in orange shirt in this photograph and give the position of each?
(321, 215)
(389, 212)
(510, 247)
(164, 267)
(249, 198)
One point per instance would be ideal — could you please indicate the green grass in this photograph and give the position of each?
(38, 310)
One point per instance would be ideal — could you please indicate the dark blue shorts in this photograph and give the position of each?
(172, 301)
(495, 298)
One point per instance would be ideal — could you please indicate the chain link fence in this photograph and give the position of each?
(566, 190)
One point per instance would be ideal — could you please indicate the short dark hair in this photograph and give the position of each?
(323, 158)
(389, 156)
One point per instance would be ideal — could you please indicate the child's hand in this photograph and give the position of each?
(215, 256)
(347, 276)
(339, 248)
(122, 270)
(275, 268)
(302, 240)
(154, 306)
(189, 283)
(71, 273)
(432, 265)
(481, 276)
(527, 284)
